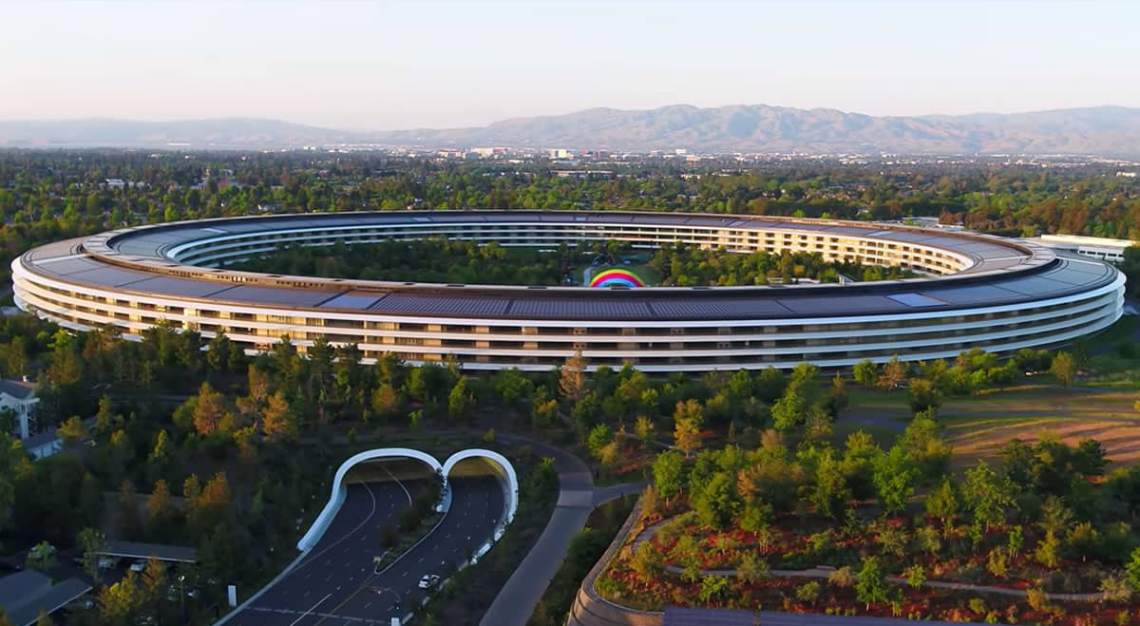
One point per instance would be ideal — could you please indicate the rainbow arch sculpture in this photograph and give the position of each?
(616, 277)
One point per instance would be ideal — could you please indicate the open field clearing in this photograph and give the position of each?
(977, 426)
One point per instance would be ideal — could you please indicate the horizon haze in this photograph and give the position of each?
(401, 65)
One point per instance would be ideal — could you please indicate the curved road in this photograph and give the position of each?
(335, 583)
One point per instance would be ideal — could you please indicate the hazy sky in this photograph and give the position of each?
(385, 65)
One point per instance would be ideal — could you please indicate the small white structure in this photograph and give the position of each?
(20, 397)
(1103, 248)
(508, 478)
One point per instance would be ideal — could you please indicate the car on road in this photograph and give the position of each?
(138, 566)
(428, 581)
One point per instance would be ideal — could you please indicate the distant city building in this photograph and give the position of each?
(560, 153)
(606, 174)
(1102, 248)
(490, 152)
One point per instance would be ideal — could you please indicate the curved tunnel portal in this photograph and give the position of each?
(477, 487)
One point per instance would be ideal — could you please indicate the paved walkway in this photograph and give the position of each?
(577, 497)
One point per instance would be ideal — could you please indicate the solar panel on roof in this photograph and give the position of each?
(359, 300)
(718, 308)
(109, 276)
(1036, 286)
(432, 304)
(276, 295)
(856, 305)
(966, 295)
(166, 285)
(916, 300)
(608, 309)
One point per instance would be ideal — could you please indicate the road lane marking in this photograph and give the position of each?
(306, 613)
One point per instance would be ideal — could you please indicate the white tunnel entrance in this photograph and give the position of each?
(500, 466)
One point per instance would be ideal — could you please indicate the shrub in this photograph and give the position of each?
(808, 592)
(915, 576)
(842, 578)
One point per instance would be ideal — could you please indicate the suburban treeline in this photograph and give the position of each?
(46, 196)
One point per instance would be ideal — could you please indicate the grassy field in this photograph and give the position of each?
(977, 426)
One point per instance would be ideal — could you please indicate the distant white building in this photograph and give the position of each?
(1102, 248)
(20, 397)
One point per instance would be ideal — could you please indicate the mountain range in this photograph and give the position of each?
(1100, 131)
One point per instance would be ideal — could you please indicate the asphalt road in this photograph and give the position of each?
(336, 583)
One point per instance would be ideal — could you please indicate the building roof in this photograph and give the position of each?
(24, 595)
(676, 616)
(17, 388)
(40, 439)
(142, 260)
(138, 550)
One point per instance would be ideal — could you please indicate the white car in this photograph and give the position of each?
(138, 566)
(429, 581)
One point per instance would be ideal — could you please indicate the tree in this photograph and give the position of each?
(668, 474)
(460, 401)
(154, 580)
(1064, 368)
(712, 588)
(44, 619)
(1132, 571)
(915, 576)
(72, 431)
(987, 495)
(789, 411)
(572, 377)
(923, 443)
(866, 373)
(752, 568)
(895, 477)
(1048, 551)
(894, 374)
(104, 417)
(643, 429)
(716, 503)
(543, 409)
(687, 436)
(41, 557)
(871, 582)
(386, 400)
(600, 436)
(159, 456)
(91, 541)
(118, 603)
(831, 493)
(647, 561)
(279, 422)
(924, 395)
(159, 508)
(209, 410)
(942, 504)
(512, 386)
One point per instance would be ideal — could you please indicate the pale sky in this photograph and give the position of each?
(388, 65)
